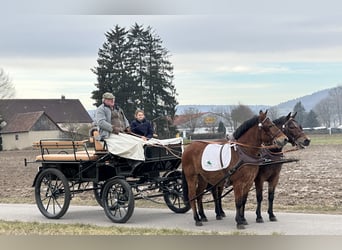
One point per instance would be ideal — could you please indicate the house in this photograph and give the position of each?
(25, 120)
(205, 123)
(24, 128)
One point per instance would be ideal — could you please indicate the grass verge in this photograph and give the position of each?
(34, 228)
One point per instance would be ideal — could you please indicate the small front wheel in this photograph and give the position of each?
(118, 200)
(173, 193)
(52, 193)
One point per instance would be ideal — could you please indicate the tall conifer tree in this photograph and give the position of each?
(135, 67)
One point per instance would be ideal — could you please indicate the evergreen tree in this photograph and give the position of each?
(221, 128)
(134, 66)
(311, 120)
(299, 108)
(111, 70)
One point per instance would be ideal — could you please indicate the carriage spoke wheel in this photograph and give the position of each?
(173, 192)
(52, 193)
(118, 200)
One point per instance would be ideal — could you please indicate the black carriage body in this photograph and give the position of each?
(112, 178)
(106, 166)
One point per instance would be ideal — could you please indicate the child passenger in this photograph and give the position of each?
(141, 126)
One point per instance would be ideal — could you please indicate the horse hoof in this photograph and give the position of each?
(273, 218)
(223, 214)
(240, 226)
(218, 217)
(204, 219)
(260, 220)
(199, 223)
(244, 222)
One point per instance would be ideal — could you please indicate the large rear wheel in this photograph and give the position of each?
(52, 193)
(118, 200)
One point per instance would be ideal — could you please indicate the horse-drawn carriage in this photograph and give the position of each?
(68, 167)
(117, 182)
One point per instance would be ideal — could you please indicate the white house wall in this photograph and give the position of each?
(25, 139)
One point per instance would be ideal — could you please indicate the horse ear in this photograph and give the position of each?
(294, 115)
(288, 116)
(260, 112)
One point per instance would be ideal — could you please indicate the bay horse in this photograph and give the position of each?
(270, 173)
(240, 171)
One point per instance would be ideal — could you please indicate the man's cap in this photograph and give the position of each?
(108, 95)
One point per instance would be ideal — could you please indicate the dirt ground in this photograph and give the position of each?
(314, 183)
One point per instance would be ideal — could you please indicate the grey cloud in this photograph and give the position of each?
(256, 26)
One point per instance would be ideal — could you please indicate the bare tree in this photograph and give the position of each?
(191, 115)
(324, 111)
(336, 97)
(240, 114)
(273, 113)
(6, 88)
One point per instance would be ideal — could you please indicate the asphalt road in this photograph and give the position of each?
(287, 224)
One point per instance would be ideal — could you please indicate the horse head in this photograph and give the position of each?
(293, 131)
(270, 133)
(260, 130)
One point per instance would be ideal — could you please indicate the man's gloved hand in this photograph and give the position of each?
(128, 130)
(115, 130)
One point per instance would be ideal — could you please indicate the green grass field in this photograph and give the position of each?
(317, 139)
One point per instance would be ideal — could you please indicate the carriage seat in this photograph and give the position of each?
(99, 146)
(78, 148)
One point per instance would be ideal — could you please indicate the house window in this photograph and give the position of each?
(16, 137)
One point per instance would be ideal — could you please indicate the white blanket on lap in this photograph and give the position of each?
(132, 147)
(216, 157)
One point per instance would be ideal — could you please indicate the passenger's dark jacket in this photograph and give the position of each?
(143, 128)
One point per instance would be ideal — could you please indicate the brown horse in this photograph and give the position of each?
(240, 171)
(270, 173)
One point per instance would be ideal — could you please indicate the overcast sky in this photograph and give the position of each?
(223, 52)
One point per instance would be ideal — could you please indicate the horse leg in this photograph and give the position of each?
(243, 210)
(219, 203)
(217, 193)
(259, 197)
(239, 217)
(192, 182)
(270, 206)
(271, 190)
(202, 184)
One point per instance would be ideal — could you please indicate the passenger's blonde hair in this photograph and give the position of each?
(139, 111)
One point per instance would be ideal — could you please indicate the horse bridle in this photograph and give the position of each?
(285, 128)
(261, 126)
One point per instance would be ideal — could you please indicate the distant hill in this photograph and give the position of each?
(217, 108)
(308, 101)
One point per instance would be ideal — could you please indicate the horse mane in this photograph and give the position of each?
(280, 121)
(245, 126)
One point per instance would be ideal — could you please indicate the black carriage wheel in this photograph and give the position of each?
(98, 187)
(52, 193)
(173, 193)
(118, 200)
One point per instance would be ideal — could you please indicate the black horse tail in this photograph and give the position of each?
(185, 188)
